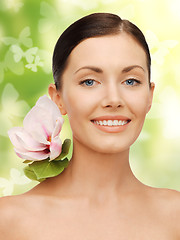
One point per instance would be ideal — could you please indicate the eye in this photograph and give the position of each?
(132, 82)
(88, 82)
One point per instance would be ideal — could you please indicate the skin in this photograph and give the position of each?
(98, 196)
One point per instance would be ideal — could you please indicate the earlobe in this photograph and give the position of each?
(152, 86)
(55, 97)
(62, 110)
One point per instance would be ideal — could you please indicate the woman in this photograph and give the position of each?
(101, 67)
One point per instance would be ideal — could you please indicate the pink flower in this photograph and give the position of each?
(39, 138)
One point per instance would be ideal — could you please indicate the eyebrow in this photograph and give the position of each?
(129, 68)
(95, 69)
(99, 70)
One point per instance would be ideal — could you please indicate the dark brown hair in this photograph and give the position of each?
(93, 25)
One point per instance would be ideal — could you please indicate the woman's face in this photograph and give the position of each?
(106, 82)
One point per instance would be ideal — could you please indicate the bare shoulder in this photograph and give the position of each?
(173, 203)
(20, 204)
(10, 212)
(168, 198)
(7, 207)
(167, 205)
(18, 211)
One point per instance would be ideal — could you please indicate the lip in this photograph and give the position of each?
(109, 117)
(111, 129)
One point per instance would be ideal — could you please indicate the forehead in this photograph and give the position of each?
(110, 51)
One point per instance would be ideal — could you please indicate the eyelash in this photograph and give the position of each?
(130, 79)
(84, 81)
(134, 80)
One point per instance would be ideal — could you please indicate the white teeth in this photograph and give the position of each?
(111, 122)
(101, 123)
(104, 123)
(115, 122)
(120, 123)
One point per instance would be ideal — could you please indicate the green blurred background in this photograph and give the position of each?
(29, 30)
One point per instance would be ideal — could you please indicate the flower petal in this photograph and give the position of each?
(41, 119)
(58, 126)
(45, 103)
(53, 111)
(55, 148)
(14, 138)
(39, 124)
(39, 138)
(34, 156)
(24, 140)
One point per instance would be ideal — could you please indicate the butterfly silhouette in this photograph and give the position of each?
(11, 108)
(10, 64)
(33, 66)
(15, 178)
(22, 39)
(19, 53)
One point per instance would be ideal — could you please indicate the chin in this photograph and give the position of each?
(110, 149)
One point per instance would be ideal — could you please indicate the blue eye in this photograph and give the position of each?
(132, 82)
(88, 82)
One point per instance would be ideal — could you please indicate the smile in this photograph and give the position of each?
(111, 122)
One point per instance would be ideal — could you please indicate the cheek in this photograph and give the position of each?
(81, 101)
(139, 103)
(78, 106)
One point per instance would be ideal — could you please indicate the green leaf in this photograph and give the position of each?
(40, 170)
(45, 168)
(27, 161)
(65, 149)
(30, 173)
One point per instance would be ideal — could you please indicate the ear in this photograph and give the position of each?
(152, 87)
(56, 97)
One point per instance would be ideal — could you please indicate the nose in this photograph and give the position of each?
(112, 96)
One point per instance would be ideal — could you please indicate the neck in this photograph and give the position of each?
(98, 175)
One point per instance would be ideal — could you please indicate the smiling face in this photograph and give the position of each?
(106, 92)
